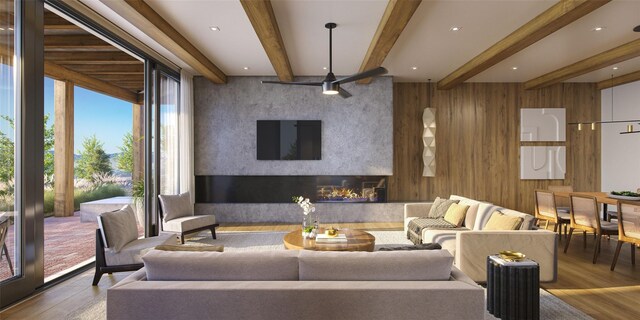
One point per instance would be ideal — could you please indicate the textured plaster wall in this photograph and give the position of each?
(357, 133)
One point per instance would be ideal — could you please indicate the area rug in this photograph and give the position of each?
(551, 307)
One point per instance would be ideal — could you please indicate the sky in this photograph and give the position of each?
(106, 117)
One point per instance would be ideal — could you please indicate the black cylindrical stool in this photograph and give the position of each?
(513, 288)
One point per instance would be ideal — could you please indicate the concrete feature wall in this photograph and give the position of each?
(620, 152)
(357, 133)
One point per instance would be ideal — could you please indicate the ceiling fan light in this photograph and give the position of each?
(330, 88)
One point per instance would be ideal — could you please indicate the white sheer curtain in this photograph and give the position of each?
(185, 134)
(169, 137)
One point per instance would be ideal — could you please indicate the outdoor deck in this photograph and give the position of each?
(67, 243)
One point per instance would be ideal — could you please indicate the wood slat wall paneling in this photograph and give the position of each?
(478, 139)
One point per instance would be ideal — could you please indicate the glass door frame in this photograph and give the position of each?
(153, 73)
(29, 194)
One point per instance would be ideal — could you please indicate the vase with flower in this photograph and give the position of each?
(309, 220)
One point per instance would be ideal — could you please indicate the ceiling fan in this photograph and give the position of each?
(331, 85)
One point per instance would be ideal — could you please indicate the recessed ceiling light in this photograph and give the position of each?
(598, 28)
(455, 28)
(1, 29)
(245, 68)
(414, 68)
(10, 29)
(514, 68)
(214, 28)
(324, 68)
(615, 68)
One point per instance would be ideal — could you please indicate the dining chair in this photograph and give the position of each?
(562, 203)
(547, 211)
(4, 229)
(614, 213)
(584, 216)
(628, 230)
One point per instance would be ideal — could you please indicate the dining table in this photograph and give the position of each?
(601, 197)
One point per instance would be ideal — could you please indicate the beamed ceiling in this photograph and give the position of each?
(73, 54)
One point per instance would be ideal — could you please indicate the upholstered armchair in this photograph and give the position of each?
(118, 248)
(177, 215)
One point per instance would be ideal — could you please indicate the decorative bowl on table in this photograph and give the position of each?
(509, 255)
(624, 195)
(332, 232)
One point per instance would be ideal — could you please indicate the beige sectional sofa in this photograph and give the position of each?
(471, 245)
(297, 285)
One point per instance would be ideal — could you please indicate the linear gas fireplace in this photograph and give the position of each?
(280, 189)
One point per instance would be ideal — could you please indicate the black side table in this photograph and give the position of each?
(513, 288)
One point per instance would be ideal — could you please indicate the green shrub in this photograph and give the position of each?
(101, 192)
(80, 196)
(48, 202)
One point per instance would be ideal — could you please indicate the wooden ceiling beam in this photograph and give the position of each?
(119, 77)
(93, 69)
(141, 15)
(624, 52)
(61, 73)
(623, 79)
(53, 21)
(83, 41)
(395, 18)
(263, 20)
(546, 23)
(91, 57)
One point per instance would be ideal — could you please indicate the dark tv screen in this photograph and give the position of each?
(289, 139)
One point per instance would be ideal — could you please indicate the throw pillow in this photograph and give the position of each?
(118, 227)
(176, 206)
(440, 207)
(175, 247)
(500, 221)
(455, 214)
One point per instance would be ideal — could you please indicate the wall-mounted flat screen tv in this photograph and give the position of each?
(289, 139)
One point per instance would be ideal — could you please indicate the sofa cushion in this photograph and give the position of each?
(422, 246)
(188, 223)
(455, 214)
(472, 212)
(485, 210)
(528, 220)
(440, 207)
(133, 251)
(221, 266)
(421, 265)
(500, 221)
(181, 247)
(176, 206)
(118, 228)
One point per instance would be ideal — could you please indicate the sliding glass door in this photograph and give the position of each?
(21, 149)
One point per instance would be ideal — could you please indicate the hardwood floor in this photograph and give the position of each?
(594, 289)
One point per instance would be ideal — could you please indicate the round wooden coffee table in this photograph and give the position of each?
(357, 240)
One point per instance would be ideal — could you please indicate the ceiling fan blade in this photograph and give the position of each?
(295, 83)
(344, 93)
(367, 74)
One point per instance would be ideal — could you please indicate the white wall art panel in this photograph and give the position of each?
(542, 163)
(429, 141)
(547, 124)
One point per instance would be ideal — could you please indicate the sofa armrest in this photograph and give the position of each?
(415, 210)
(473, 247)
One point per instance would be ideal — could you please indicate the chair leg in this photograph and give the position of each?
(633, 254)
(181, 238)
(546, 225)
(555, 227)
(615, 256)
(6, 254)
(97, 276)
(213, 232)
(584, 239)
(596, 250)
(566, 246)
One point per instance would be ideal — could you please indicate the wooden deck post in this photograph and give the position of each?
(63, 148)
(138, 142)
